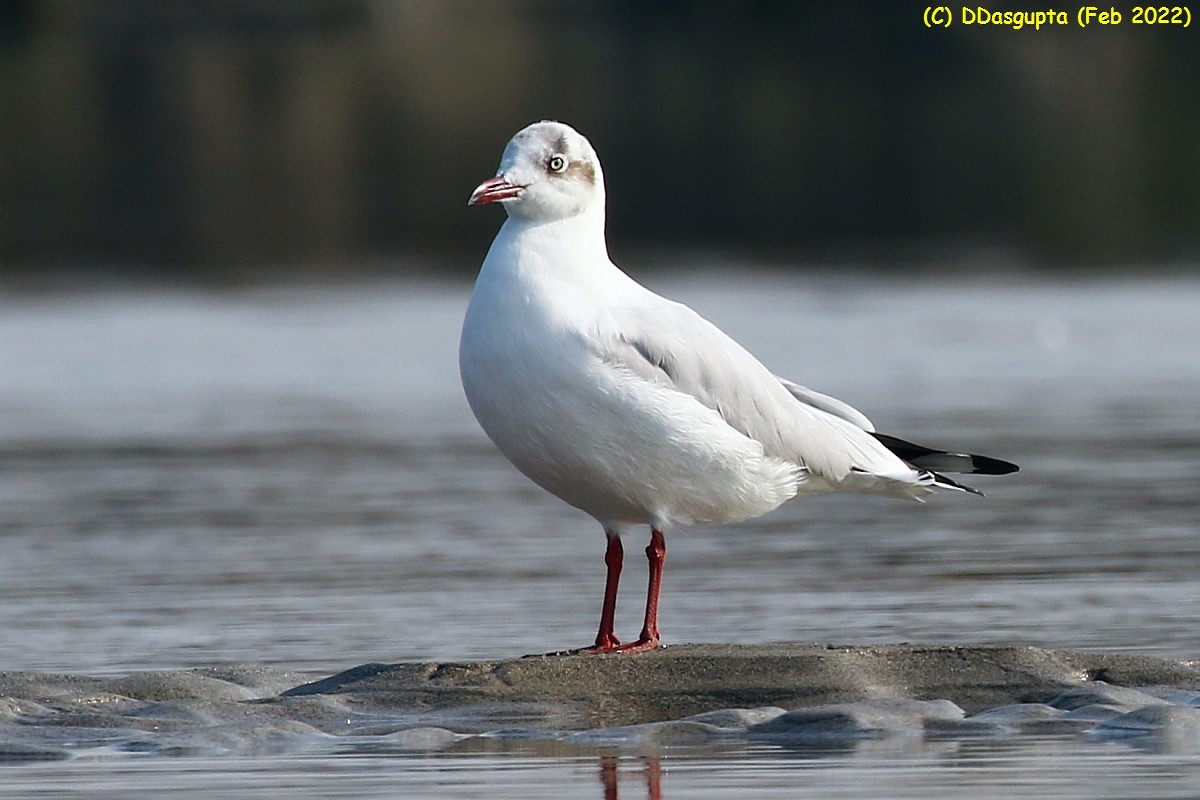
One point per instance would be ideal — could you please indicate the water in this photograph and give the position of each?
(291, 478)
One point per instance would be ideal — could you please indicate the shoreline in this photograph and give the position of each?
(699, 695)
(682, 680)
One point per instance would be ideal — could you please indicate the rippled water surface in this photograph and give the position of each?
(293, 479)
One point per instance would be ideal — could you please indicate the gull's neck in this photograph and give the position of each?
(572, 248)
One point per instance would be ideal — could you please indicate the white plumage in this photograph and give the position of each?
(628, 405)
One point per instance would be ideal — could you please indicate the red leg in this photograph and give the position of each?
(656, 552)
(614, 557)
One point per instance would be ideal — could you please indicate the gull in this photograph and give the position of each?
(632, 407)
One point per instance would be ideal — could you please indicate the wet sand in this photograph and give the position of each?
(683, 680)
(802, 693)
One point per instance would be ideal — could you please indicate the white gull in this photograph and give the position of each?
(632, 407)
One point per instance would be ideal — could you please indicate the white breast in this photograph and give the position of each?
(623, 449)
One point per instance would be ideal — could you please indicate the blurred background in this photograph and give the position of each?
(230, 138)
(240, 435)
(235, 253)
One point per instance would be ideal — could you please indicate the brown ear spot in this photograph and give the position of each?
(582, 170)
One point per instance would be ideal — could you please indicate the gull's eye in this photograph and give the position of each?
(557, 163)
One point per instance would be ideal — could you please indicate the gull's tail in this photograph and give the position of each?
(936, 462)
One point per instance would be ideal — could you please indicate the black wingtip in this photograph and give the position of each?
(943, 460)
(986, 465)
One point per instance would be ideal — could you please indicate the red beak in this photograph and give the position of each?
(494, 189)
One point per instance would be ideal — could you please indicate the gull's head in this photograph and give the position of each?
(549, 171)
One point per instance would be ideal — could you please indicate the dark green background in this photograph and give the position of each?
(184, 138)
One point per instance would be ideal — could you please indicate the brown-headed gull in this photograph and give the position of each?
(632, 407)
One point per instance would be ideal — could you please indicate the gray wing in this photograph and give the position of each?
(830, 405)
(672, 345)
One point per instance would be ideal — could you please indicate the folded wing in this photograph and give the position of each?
(831, 440)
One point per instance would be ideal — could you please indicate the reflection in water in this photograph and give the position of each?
(651, 774)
